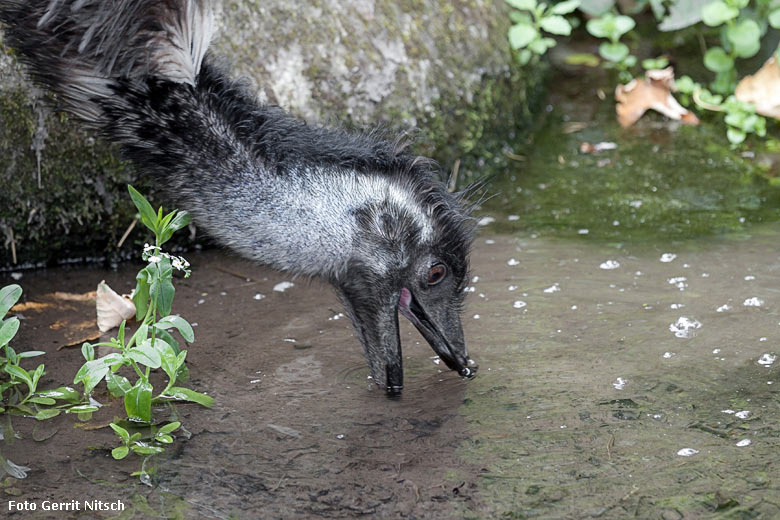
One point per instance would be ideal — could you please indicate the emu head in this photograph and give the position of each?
(410, 256)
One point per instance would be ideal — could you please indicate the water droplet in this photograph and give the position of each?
(687, 452)
(744, 442)
(574, 307)
(476, 316)
(767, 359)
(258, 296)
(610, 264)
(519, 304)
(668, 257)
(620, 383)
(475, 279)
(512, 288)
(340, 436)
(723, 308)
(283, 286)
(512, 261)
(749, 278)
(679, 282)
(677, 305)
(668, 355)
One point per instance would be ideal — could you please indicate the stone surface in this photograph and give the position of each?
(441, 69)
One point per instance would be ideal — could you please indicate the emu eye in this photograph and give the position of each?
(436, 274)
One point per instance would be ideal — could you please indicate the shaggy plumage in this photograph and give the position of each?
(355, 209)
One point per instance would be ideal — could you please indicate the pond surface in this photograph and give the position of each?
(624, 310)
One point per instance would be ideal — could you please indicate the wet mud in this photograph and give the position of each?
(591, 388)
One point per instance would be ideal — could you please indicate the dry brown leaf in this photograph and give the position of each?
(762, 89)
(653, 92)
(112, 309)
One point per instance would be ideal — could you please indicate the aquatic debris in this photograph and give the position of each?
(112, 309)
(553, 288)
(716, 351)
(668, 257)
(753, 302)
(16, 276)
(519, 304)
(767, 359)
(684, 327)
(512, 261)
(749, 278)
(744, 414)
(723, 308)
(678, 281)
(283, 286)
(762, 89)
(610, 264)
(258, 296)
(669, 355)
(653, 92)
(744, 442)
(484, 221)
(687, 452)
(676, 306)
(511, 288)
(620, 383)
(436, 360)
(589, 148)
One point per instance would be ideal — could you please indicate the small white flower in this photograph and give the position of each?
(154, 259)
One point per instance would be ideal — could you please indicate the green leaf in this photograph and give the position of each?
(88, 351)
(48, 401)
(613, 52)
(745, 36)
(84, 408)
(685, 85)
(682, 14)
(569, 6)
(123, 434)
(163, 438)
(120, 452)
(9, 295)
(138, 402)
(774, 21)
(42, 415)
(527, 5)
(63, 393)
(717, 13)
(141, 294)
(735, 136)
(90, 374)
(521, 35)
(655, 63)
(146, 354)
(181, 220)
(148, 215)
(185, 394)
(141, 448)
(30, 354)
(521, 18)
(36, 377)
(117, 385)
(184, 328)
(20, 373)
(586, 58)
(716, 60)
(610, 26)
(170, 427)
(596, 7)
(8, 330)
(169, 360)
(540, 45)
(556, 25)
(524, 56)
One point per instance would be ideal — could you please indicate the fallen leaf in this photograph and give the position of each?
(112, 309)
(653, 92)
(762, 89)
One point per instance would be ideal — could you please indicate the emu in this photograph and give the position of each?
(353, 209)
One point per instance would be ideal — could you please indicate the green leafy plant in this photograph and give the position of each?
(19, 392)
(616, 53)
(532, 20)
(136, 444)
(151, 346)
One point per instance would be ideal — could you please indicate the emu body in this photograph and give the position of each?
(354, 209)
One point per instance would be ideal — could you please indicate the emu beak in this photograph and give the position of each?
(455, 358)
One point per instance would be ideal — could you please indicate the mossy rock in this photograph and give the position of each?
(442, 67)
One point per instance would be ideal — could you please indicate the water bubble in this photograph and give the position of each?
(669, 355)
(723, 308)
(469, 289)
(716, 351)
(753, 302)
(677, 305)
(744, 442)
(201, 301)
(340, 436)
(679, 282)
(744, 414)
(610, 264)
(687, 452)
(475, 279)
(283, 286)
(484, 221)
(767, 359)
(762, 339)
(336, 316)
(258, 296)
(582, 231)
(476, 316)
(553, 288)
(512, 288)
(620, 383)
(668, 257)
(730, 412)
(684, 327)
(512, 261)
(574, 307)
(436, 360)
(513, 218)
(635, 204)
(490, 241)
(749, 278)
(519, 304)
